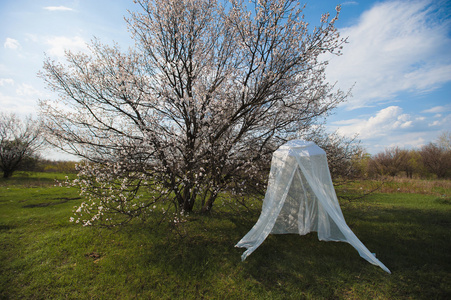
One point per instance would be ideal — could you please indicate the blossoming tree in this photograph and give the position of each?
(198, 106)
(20, 139)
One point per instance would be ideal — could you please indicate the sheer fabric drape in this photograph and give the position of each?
(300, 198)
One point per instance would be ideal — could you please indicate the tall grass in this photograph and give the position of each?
(43, 256)
(398, 185)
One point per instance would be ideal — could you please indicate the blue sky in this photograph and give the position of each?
(398, 60)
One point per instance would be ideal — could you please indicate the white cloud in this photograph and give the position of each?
(444, 122)
(59, 44)
(383, 123)
(26, 90)
(438, 109)
(32, 37)
(406, 124)
(23, 105)
(11, 44)
(5, 81)
(391, 127)
(20, 97)
(58, 8)
(408, 140)
(349, 3)
(396, 46)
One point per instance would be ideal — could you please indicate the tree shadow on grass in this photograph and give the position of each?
(414, 244)
(408, 237)
(61, 200)
(27, 182)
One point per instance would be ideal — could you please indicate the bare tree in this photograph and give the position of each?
(19, 141)
(444, 140)
(342, 153)
(436, 160)
(209, 92)
(390, 162)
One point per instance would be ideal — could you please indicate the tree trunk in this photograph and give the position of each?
(186, 199)
(7, 173)
(188, 205)
(209, 204)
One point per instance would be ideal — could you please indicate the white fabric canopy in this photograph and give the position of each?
(300, 198)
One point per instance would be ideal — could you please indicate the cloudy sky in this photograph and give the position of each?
(398, 60)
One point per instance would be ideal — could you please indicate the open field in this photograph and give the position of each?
(43, 255)
(401, 185)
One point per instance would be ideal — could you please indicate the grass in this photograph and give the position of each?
(43, 256)
(400, 185)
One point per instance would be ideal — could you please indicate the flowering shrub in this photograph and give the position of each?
(113, 195)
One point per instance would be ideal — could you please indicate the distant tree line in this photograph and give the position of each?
(20, 141)
(346, 158)
(430, 161)
(58, 166)
(38, 164)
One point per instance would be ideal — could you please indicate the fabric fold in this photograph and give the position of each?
(300, 198)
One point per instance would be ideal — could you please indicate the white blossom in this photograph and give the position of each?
(209, 92)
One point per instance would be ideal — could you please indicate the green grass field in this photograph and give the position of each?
(44, 256)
